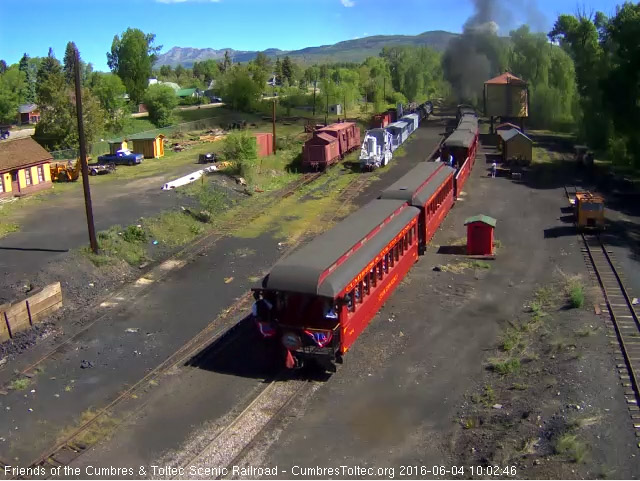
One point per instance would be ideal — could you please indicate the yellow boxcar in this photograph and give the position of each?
(589, 210)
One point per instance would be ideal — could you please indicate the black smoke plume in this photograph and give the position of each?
(479, 53)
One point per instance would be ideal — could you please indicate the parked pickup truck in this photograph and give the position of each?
(123, 156)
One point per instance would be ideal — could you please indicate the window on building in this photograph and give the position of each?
(27, 176)
(1, 183)
(40, 173)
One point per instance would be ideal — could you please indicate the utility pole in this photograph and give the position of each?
(344, 106)
(384, 90)
(83, 158)
(315, 84)
(273, 120)
(326, 114)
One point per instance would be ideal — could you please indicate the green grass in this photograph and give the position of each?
(571, 446)
(118, 243)
(20, 384)
(512, 339)
(480, 265)
(506, 366)
(574, 288)
(173, 229)
(8, 228)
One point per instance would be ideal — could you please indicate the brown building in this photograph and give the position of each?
(28, 114)
(516, 145)
(24, 167)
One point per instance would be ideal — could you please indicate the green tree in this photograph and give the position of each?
(109, 90)
(226, 62)
(29, 93)
(622, 83)
(278, 71)
(12, 84)
(241, 149)
(287, 70)
(166, 70)
(238, 88)
(69, 62)
(50, 80)
(132, 58)
(160, 101)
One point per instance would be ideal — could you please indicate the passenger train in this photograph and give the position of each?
(321, 297)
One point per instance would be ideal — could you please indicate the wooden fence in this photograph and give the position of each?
(21, 315)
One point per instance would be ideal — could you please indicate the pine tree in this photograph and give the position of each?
(226, 63)
(278, 72)
(69, 62)
(287, 70)
(29, 93)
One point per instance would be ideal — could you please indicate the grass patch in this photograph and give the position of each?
(101, 428)
(20, 384)
(173, 229)
(574, 288)
(504, 366)
(573, 448)
(8, 228)
(243, 252)
(512, 339)
(480, 265)
(118, 243)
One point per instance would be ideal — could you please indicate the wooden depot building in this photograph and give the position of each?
(24, 167)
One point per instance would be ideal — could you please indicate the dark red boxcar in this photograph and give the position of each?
(347, 133)
(380, 121)
(264, 142)
(320, 151)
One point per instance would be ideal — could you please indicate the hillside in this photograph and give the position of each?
(348, 51)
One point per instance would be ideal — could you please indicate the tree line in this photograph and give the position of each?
(583, 76)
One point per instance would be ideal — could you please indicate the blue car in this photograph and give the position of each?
(121, 157)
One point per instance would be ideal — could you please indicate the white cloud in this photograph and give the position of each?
(347, 3)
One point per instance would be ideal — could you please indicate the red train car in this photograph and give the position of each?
(325, 294)
(430, 187)
(347, 133)
(462, 144)
(380, 121)
(320, 151)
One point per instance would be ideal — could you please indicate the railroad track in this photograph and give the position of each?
(624, 319)
(224, 327)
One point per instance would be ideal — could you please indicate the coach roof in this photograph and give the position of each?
(419, 184)
(301, 271)
(460, 138)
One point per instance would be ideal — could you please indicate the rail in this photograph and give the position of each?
(222, 327)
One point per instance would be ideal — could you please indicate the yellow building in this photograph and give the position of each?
(118, 144)
(151, 146)
(506, 96)
(24, 167)
(516, 145)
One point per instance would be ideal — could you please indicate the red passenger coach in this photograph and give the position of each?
(462, 144)
(430, 187)
(326, 293)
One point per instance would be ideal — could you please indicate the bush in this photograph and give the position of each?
(160, 101)
(134, 234)
(190, 101)
(241, 149)
(575, 291)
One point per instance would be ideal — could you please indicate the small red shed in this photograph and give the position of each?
(480, 235)
(264, 142)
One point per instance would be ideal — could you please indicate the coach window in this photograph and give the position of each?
(396, 252)
(349, 300)
(379, 267)
(373, 277)
(385, 263)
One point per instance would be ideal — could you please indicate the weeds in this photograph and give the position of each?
(569, 445)
(101, 428)
(504, 367)
(8, 228)
(511, 340)
(20, 384)
(481, 265)
(487, 398)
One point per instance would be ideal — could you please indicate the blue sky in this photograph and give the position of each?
(33, 26)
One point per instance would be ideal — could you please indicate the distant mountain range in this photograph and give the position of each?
(348, 51)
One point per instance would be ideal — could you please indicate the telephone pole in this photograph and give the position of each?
(315, 84)
(273, 121)
(384, 90)
(83, 158)
(326, 114)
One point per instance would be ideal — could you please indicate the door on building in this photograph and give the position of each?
(15, 186)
